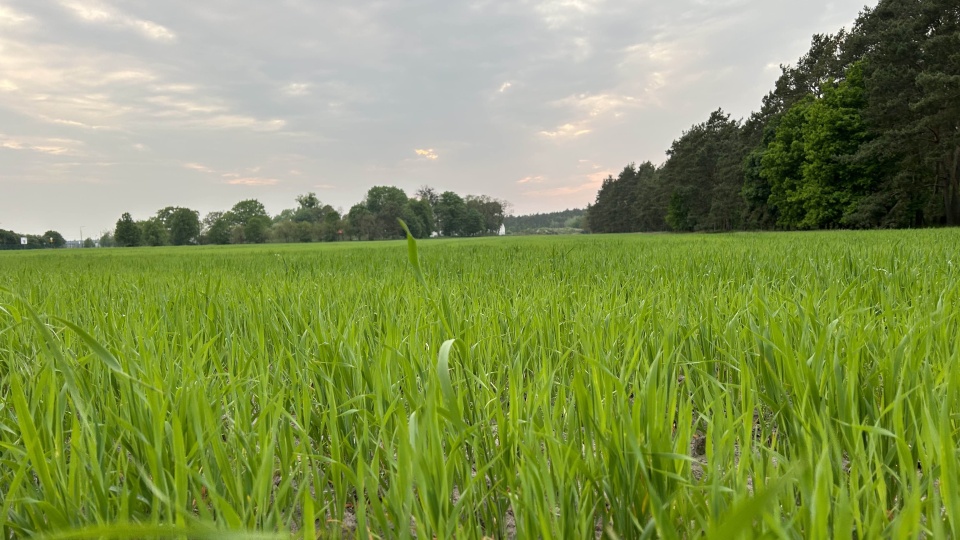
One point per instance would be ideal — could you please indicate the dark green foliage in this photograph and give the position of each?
(613, 209)
(549, 220)
(332, 226)
(484, 214)
(864, 131)
(311, 210)
(107, 240)
(473, 223)
(289, 231)
(216, 228)
(387, 205)
(127, 233)
(678, 211)
(631, 202)
(381, 197)
(698, 188)
(451, 212)
(308, 201)
(418, 228)
(247, 222)
(912, 77)
(154, 232)
(54, 239)
(183, 225)
(419, 217)
(703, 176)
(255, 230)
(244, 211)
(758, 212)
(10, 240)
(361, 222)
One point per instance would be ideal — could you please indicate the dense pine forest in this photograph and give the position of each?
(863, 132)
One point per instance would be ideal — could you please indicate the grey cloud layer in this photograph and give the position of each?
(111, 106)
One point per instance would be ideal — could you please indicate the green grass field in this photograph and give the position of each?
(677, 386)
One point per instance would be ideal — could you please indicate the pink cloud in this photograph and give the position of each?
(592, 184)
(253, 182)
(532, 180)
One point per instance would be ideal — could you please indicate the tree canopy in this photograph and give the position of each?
(864, 131)
(127, 233)
(375, 218)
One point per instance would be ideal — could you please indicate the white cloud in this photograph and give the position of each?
(175, 88)
(253, 181)
(128, 76)
(89, 12)
(590, 110)
(235, 178)
(427, 153)
(152, 30)
(61, 85)
(109, 91)
(199, 167)
(296, 89)
(657, 51)
(11, 17)
(567, 131)
(531, 180)
(562, 13)
(42, 145)
(599, 104)
(168, 105)
(98, 12)
(505, 86)
(233, 121)
(71, 123)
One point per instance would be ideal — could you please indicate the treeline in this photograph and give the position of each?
(49, 239)
(864, 132)
(564, 219)
(428, 213)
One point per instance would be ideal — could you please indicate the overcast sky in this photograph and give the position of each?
(112, 106)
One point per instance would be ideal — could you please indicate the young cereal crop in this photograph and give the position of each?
(747, 385)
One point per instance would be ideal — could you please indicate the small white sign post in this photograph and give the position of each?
(23, 240)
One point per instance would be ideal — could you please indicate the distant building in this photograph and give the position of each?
(79, 244)
(503, 230)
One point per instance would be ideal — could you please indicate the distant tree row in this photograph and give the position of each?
(49, 239)
(863, 132)
(171, 226)
(375, 218)
(531, 223)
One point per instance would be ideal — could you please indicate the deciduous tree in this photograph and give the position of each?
(127, 233)
(183, 225)
(53, 239)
